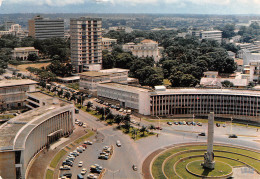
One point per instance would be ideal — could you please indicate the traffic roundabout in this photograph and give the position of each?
(184, 161)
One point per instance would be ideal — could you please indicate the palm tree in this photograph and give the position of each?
(118, 119)
(143, 130)
(89, 105)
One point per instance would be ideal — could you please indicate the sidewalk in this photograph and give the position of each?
(38, 168)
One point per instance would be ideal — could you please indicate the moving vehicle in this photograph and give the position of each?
(118, 143)
(134, 167)
(232, 136)
(202, 134)
(80, 164)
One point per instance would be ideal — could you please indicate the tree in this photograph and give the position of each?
(60, 92)
(110, 116)
(228, 30)
(143, 130)
(32, 57)
(227, 83)
(108, 60)
(46, 76)
(68, 95)
(118, 119)
(89, 105)
(60, 69)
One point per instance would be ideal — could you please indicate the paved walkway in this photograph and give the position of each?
(37, 170)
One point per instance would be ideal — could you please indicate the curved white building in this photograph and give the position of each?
(22, 137)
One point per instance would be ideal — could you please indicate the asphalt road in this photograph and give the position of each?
(135, 152)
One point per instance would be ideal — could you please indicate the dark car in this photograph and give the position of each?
(202, 134)
(176, 123)
(169, 123)
(68, 175)
(232, 136)
(217, 124)
(158, 128)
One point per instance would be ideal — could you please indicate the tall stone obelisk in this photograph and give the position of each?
(209, 155)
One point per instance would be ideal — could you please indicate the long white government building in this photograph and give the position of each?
(25, 135)
(180, 102)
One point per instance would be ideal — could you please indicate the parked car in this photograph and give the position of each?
(217, 124)
(103, 157)
(65, 167)
(118, 143)
(92, 176)
(80, 164)
(79, 176)
(232, 136)
(169, 123)
(121, 110)
(193, 123)
(199, 124)
(158, 128)
(88, 142)
(224, 125)
(83, 171)
(134, 167)
(176, 123)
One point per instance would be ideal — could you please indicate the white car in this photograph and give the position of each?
(121, 110)
(84, 125)
(80, 164)
(118, 143)
(83, 171)
(90, 176)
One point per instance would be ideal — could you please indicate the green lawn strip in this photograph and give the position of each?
(49, 174)
(94, 113)
(74, 86)
(81, 139)
(6, 116)
(168, 167)
(157, 165)
(181, 168)
(57, 158)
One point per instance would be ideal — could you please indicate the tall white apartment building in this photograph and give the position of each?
(212, 35)
(147, 48)
(86, 43)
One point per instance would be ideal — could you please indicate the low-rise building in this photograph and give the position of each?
(129, 96)
(186, 102)
(90, 80)
(107, 43)
(13, 92)
(213, 79)
(251, 47)
(24, 136)
(122, 29)
(212, 35)
(147, 48)
(23, 52)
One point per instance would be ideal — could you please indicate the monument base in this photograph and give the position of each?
(209, 165)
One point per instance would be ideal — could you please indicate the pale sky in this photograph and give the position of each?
(131, 6)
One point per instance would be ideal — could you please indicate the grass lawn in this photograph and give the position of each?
(57, 158)
(180, 168)
(35, 65)
(6, 116)
(49, 174)
(93, 113)
(83, 138)
(74, 86)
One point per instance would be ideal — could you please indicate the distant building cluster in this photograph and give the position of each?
(13, 29)
(208, 35)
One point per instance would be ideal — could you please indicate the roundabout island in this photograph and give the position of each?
(184, 161)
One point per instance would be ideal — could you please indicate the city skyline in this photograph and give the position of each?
(131, 6)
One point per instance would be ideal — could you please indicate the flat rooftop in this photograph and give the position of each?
(28, 120)
(40, 95)
(207, 91)
(8, 83)
(126, 87)
(104, 72)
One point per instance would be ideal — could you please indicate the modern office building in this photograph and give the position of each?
(186, 102)
(147, 48)
(86, 43)
(43, 28)
(90, 80)
(212, 35)
(8, 24)
(13, 92)
(23, 52)
(24, 136)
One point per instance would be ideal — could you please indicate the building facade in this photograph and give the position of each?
(107, 43)
(147, 48)
(13, 92)
(43, 28)
(23, 52)
(212, 35)
(226, 103)
(25, 135)
(90, 80)
(86, 43)
(128, 96)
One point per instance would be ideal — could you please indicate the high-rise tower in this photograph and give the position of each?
(86, 43)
